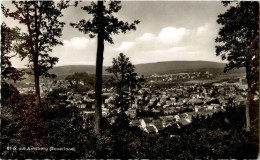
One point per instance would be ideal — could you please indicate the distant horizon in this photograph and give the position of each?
(135, 64)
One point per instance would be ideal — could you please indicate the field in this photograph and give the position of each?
(204, 81)
(230, 76)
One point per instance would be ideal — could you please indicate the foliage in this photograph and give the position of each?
(41, 19)
(238, 42)
(103, 25)
(125, 81)
(238, 35)
(21, 125)
(64, 128)
(212, 137)
(9, 127)
(44, 29)
(88, 79)
(119, 140)
(232, 119)
(54, 96)
(83, 76)
(78, 88)
(218, 136)
(210, 144)
(105, 20)
(10, 39)
(25, 124)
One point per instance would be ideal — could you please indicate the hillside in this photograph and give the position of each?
(151, 68)
(178, 66)
(64, 71)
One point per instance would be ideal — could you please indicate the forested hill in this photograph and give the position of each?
(71, 69)
(151, 68)
(182, 66)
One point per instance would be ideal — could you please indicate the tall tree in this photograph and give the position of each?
(238, 42)
(11, 39)
(125, 81)
(103, 25)
(41, 19)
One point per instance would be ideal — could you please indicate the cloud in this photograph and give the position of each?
(202, 29)
(173, 35)
(169, 39)
(167, 36)
(168, 44)
(77, 51)
(79, 43)
(146, 37)
(125, 46)
(172, 43)
(170, 50)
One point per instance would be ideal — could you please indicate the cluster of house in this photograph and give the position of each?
(156, 124)
(178, 76)
(50, 85)
(166, 107)
(46, 86)
(178, 105)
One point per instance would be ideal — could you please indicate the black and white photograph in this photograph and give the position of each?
(129, 79)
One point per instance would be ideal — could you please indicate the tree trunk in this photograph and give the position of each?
(247, 117)
(37, 89)
(252, 73)
(34, 52)
(249, 99)
(257, 46)
(252, 115)
(36, 58)
(99, 69)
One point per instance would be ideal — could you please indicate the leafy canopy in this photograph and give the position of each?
(239, 35)
(125, 81)
(43, 31)
(10, 40)
(109, 22)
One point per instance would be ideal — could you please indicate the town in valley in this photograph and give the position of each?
(162, 101)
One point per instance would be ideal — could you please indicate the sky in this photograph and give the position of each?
(168, 31)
